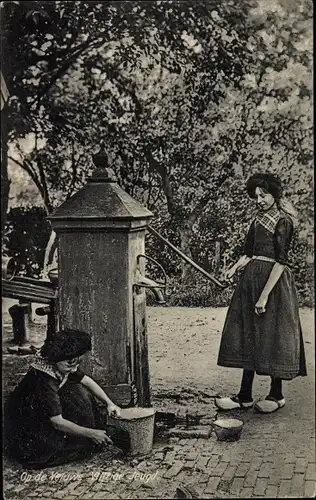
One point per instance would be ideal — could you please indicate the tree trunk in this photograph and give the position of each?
(185, 231)
(5, 182)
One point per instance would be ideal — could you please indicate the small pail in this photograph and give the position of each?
(140, 424)
(228, 429)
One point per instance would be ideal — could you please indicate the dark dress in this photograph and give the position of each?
(29, 435)
(272, 343)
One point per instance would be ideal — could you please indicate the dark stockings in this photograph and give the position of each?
(275, 389)
(245, 393)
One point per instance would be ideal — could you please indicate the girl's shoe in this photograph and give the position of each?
(269, 405)
(232, 403)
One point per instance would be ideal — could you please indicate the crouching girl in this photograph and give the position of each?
(52, 416)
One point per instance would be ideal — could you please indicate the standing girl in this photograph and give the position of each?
(262, 333)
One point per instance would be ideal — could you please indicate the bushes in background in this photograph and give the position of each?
(26, 236)
(27, 233)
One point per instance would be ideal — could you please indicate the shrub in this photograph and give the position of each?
(198, 294)
(204, 294)
(25, 238)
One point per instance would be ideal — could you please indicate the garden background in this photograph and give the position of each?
(188, 98)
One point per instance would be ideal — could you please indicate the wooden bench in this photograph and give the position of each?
(27, 291)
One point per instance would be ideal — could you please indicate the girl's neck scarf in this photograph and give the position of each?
(43, 365)
(268, 219)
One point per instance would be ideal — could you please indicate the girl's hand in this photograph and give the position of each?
(260, 306)
(114, 410)
(99, 437)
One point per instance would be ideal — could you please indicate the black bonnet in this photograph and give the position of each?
(65, 345)
(271, 183)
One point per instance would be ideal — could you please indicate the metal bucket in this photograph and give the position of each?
(140, 424)
(8, 267)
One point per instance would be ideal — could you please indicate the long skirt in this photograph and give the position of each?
(41, 447)
(269, 344)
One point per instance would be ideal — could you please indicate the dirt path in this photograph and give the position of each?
(183, 348)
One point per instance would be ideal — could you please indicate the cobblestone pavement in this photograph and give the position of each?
(274, 458)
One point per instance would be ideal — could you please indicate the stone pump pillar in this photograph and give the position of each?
(101, 239)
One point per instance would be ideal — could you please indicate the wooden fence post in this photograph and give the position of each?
(310, 249)
(217, 258)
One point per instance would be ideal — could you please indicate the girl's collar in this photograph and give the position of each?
(269, 218)
(44, 366)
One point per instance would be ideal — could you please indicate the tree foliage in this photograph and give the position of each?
(189, 99)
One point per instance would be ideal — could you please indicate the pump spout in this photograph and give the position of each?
(149, 283)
